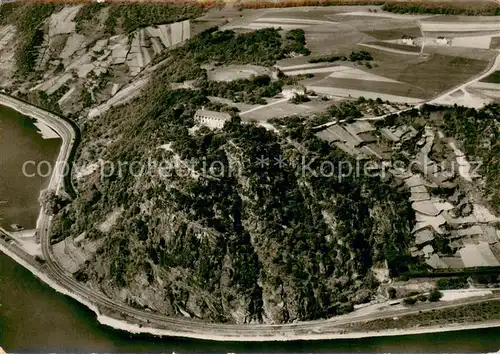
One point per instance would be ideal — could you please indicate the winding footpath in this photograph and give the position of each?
(121, 316)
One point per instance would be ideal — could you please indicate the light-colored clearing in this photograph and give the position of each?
(452, 295)
(463, 165)
(166, 147)
(74, 42)
(72, 254)
(87, 170)
(468, 99)
(62, 22)
(472, 42)
(110, 221)
(26, 239)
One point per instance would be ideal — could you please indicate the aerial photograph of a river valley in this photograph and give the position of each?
(249, 176)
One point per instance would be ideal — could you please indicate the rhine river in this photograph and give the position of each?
(35, 318)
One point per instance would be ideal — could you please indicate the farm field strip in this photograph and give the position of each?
(389, 49)
(349, 93)
(486, 85)
(391, 88)
(386, 15)
(357, 74)
(293, 20)
(459, 27)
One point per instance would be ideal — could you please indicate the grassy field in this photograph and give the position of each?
(493, 78)
(435, 74)
(461, 52)
(467, 8)
(395, 33)
(390, 88)
(402, 47)
(495, 43)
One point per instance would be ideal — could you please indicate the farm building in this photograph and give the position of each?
(290, 91)
(441, 41)
(211, 119)
(408, 40)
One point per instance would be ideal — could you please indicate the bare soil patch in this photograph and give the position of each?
(435, 74)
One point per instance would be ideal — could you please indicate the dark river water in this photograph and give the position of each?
(34, 318)
(22, 145)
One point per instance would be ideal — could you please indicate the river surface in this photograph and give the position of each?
(35, 318)
(21, 144)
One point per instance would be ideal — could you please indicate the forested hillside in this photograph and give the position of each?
(242, 241)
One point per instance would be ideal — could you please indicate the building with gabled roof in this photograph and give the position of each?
(211, 119)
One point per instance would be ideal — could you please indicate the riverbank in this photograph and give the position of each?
(38, 270)
(37, 319)
(140, 322)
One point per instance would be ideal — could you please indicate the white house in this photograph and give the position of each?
(211, 119)
(441, 41)
(290, 91)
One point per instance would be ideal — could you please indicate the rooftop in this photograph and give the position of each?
(203, 113)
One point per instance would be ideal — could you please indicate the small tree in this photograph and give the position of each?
(297, 99)
(435, 295)
(409, 301)
(391, 292)
(51, 202)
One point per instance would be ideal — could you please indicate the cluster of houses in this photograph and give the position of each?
(439, 41)
(467, 228)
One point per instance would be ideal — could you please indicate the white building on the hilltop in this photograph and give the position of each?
(211, 119)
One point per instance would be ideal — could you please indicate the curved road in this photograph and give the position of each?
(173, 326)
